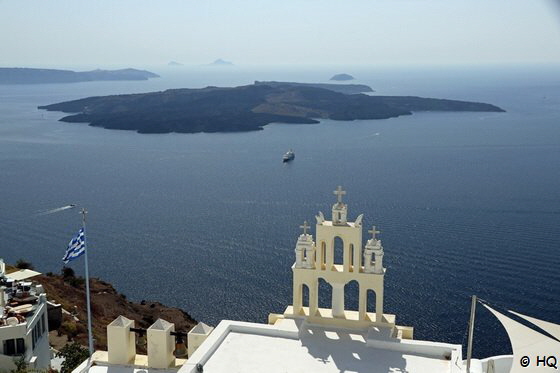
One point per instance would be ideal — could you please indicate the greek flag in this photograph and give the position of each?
(76, 247)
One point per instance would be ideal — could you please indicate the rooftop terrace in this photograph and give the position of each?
(19, 300)
(289, 346)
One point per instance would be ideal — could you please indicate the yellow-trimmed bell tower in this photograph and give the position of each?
(315, 260)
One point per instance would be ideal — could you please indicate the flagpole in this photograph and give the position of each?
(90, 336)
(471, 333)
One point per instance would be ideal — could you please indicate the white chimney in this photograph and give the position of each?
(197, 335)
(121, 342)
(161, 344)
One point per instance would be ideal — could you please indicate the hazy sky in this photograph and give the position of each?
(141, 32)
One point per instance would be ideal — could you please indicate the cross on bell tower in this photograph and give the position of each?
(339, 193)
(373, 232)
(305, 226)
(339, 210)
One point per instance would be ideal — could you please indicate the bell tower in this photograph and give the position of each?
(315, 260)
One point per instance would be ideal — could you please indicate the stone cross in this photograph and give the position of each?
(339, 192)
(304, 227)
(374, 232)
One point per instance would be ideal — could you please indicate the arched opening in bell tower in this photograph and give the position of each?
(370, 301)
(323, 255)
(338, 248)
(351, 255)
(325, 294)
(305, 295)
(351, 295)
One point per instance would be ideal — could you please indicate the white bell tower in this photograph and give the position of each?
(315, 259)
(373, 255)
(305, 249)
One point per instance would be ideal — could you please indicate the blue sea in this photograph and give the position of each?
(468, 203)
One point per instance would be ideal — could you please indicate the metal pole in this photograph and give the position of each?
(471, 332)
(90, 336)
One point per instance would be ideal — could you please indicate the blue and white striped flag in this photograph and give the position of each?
(76, 247)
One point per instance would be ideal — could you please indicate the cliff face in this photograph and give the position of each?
(107, 304)
(245, 108)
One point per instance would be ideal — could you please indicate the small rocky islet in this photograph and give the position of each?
(342, 77)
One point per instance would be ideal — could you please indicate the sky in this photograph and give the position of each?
(36, 33)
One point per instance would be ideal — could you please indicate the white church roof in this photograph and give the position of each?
(250, 347)
(241, 352)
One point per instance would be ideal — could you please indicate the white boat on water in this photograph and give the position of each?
(288, 156)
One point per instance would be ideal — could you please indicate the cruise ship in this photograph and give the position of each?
(288, 156)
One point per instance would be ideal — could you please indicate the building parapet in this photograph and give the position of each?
(166, 347)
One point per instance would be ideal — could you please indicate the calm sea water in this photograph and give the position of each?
(468, 203)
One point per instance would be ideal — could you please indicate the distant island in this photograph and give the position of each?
(220, 62)
(174, 63)
(244, 108)
(23, 75)
(342, 77)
